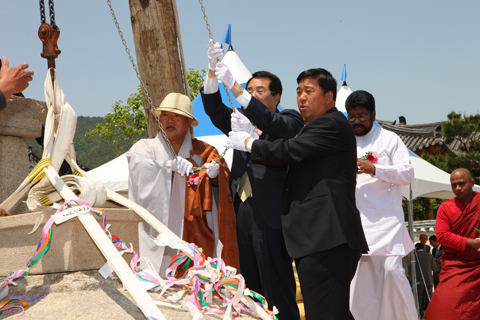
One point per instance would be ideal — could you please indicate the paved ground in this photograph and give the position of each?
(85, 295)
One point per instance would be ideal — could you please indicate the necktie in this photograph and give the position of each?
(244, 188)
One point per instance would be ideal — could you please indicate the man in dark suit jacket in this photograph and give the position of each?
(437, 253)
(320, 222)
(258, 214)
(424, 267)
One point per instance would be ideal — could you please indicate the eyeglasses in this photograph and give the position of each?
(360, 118)
(259, 90)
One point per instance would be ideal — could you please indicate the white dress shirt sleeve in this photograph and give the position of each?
(401, 171)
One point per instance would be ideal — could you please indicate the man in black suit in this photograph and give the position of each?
(256, 189)
(424, 267)
(320, 222)
(437, 253)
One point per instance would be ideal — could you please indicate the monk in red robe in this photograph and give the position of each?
(457, 296)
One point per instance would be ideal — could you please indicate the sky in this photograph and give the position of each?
(420, 59)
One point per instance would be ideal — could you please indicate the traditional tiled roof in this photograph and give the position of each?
(420, 137)
(422, 226)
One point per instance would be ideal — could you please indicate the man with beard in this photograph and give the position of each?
(380, 289)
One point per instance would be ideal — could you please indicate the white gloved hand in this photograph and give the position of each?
(223, 73)
(241, 123)
(182, 166)
(214, 53)
(236, 140)
(213, 168)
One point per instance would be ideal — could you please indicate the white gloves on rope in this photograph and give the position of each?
(214, 53)
(223, 73)
(236, 140)
(241, 123)
(213, 169)
(182, 166)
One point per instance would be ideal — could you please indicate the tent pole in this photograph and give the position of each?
(412, 254)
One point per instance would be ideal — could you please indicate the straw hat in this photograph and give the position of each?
(177, 103)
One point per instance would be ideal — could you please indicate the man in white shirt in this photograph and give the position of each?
(380, 289)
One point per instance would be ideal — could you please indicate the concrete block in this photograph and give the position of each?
(23, 117)
(13, 168)
(71, 249)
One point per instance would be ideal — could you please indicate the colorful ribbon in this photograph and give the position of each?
(207, 277)
(23, 300)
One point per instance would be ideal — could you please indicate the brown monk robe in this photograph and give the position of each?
(199, 199)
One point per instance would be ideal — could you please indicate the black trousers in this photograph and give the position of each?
(261, 262)
(325, 282)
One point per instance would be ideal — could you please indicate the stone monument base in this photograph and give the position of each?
(71, 248)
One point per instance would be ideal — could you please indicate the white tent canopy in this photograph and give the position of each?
(236, 66)
(342, 96)
(114, 174)
(430, 181)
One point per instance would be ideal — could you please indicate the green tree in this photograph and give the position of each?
(421, 207)
(127, 122)
(195, 82)
(463, 131)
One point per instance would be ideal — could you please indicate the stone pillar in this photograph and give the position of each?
(22, 119)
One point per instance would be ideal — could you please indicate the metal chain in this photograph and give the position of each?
(52, 14)
(144, 87)
(224, 87)
(42, 12)
(182, 57)
(211, 37)
(206, 19)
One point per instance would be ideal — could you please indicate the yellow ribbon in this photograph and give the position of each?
(37, 173)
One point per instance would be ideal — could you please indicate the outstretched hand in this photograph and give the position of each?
(223, 73)
(242, 123)
(14, 79)
(4, 213)
(214, 53)
(213, 168)
(237, 140)
(182, 166)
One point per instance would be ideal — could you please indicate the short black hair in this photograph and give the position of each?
(419, 246)
(360, 98)
(324, 78)
(433, 238)
(275, 83)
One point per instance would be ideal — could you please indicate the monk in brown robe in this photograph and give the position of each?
(181, 199)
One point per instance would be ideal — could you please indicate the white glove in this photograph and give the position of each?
(212, 169)
(182, 166)
(223, 73)
(236, 140)
(214, 53)
(241, 123)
